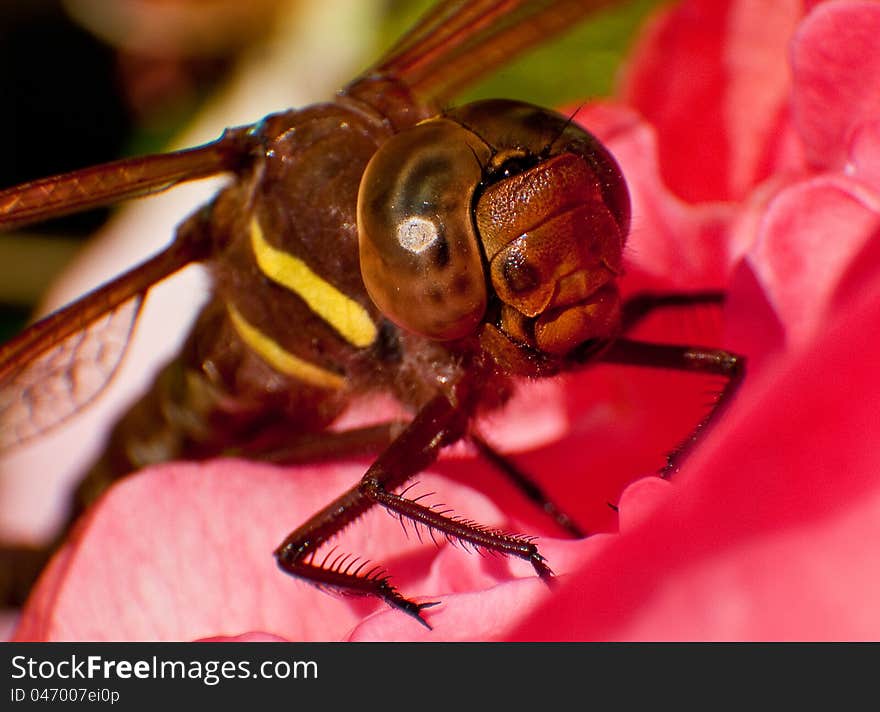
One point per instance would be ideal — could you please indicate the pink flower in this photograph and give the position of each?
(750, 133)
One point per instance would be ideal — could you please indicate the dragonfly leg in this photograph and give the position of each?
(635, 310)
(439, 423)
(695, 359)
(524, 482)
(640, 306)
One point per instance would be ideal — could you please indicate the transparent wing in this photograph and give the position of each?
(64, 377)
(59, 364)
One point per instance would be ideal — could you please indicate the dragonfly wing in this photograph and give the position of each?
(59, 364)
(458, 42)
(65, 376)
(108, 183)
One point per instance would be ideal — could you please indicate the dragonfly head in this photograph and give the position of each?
(496, 213)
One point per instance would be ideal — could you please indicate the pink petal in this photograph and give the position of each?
(184, 552)
(772, 529)
(713, 78)
(483, 615)
(809, 236)
(864, 155)
(836, 60)
(672, 244)
(489, 610)
(251, 637)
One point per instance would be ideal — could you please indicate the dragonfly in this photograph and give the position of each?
(386, 242)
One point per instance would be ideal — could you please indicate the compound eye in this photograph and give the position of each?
(419, 253)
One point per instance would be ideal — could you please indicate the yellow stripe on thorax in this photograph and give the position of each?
(280, 359)
(344, 314)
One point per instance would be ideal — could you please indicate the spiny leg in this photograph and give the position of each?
(457, 529)
(635, 310)
(694, 359)
(525, 484)
(682, 358)
(641, 305)
(371, 439)
(438, 424)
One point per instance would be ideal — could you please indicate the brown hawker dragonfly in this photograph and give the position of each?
(381, 242)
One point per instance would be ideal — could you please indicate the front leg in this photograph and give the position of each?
(639, 306)
(438, 424)
(695, 359)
